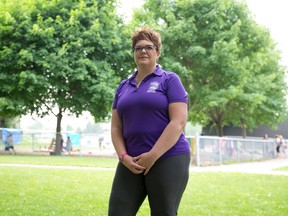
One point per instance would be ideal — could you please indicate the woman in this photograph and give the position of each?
(148, 117)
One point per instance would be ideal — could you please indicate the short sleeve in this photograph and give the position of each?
(175, 89)
(114, 104)
(116, 97)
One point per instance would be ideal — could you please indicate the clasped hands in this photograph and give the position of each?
(139, 164)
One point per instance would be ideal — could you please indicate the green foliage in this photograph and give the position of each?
(228, 63)
(6, 122)
(69, 56)
(61, 54)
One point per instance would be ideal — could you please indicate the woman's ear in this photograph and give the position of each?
(158, 55)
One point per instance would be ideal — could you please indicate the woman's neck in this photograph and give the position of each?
(144, 71)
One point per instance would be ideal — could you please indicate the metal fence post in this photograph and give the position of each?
(33, 148)
(220, 151)
(197, 150)
(80, 144)
(253, 150)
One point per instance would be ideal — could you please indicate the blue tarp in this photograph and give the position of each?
(75, 138)
(16, 135)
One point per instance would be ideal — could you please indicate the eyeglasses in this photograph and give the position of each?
(148, 48)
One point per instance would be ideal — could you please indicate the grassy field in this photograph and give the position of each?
(39, 191)
(106, 162)
(282, 169)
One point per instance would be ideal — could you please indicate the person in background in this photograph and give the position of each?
(9, 143)
(68, 147)
(284, 147)
(100, 142)
(279, 141)
(265, 136)
(62, 143)
(149, 114)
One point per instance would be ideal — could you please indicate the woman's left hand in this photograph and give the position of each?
(146, 160)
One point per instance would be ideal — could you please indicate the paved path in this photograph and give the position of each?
(263, 167)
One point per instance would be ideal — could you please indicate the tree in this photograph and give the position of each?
(7, 122)
(228, 63)
(61, 56)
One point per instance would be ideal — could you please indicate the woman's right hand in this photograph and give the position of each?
(132, 166)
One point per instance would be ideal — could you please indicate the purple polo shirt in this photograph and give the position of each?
(144, 110)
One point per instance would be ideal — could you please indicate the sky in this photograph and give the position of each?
(269, 13)
(273, 14)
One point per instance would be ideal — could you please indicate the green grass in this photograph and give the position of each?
(39, 191)
(282, 169)
(60, 160)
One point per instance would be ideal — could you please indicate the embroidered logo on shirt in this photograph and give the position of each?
(153, 86)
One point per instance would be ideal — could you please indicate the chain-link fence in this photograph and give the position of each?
(82, 144)
(210, 150)
(205, 150)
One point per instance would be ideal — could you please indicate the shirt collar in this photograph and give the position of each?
(158, 72)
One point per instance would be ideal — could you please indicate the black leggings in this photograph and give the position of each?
(164, 185)
(278, 149)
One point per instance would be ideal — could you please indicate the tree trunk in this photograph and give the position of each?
(58, 149)
(219, 129)
(243, 127)
(244, 132)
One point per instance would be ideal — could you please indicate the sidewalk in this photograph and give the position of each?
(262, 167)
